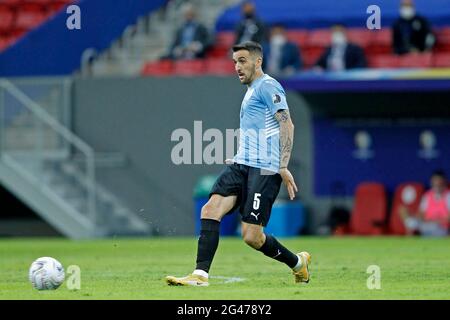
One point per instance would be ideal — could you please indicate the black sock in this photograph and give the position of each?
(275, 250)
(207, 243)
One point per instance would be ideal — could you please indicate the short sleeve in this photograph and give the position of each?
(273, 96)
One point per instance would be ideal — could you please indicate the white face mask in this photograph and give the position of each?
(407, 12)
(338, 38)
(278, 40)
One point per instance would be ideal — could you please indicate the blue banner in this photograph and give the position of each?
(386, 151)
(54, 49)
(324, 13)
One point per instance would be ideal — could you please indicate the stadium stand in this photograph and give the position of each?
(17, 17)
(308, 27)
(320, 14)
(219, 66)
(189, 67)
(441, 60)
(158, 68)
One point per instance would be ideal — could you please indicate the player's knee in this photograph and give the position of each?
(253, 239)
(209, 211)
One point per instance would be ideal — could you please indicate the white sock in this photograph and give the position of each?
(298, 265)
(201, 273)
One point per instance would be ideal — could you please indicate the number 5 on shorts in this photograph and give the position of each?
(256, 201)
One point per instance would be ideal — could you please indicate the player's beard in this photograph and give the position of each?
(248, 80)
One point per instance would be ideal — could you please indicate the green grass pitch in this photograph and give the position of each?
(411, 268)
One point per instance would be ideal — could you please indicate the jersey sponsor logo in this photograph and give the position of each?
(255, 215)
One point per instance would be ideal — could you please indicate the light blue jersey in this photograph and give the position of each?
(259, 137)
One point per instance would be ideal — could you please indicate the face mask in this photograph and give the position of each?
(407, 12)
(278, 40)
(249, 15)
(338, 38)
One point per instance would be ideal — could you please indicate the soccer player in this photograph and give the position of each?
(252, 179)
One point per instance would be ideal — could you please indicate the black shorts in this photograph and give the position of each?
(256, 192)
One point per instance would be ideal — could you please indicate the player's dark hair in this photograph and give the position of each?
(439, 173)
(250, 46)
(247, 2)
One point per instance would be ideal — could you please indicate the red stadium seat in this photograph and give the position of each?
(5, 42)
(26, 20)
(221, 48)
(222, 66)
(407, 195)
(361, 37)
(32, 6)
(158, 68)
(310, 57)
(415, 60)
(441, 60)
(381, 42)
(384, 61)
(28, 14)
(12, 4)
(443, 39)
(40, 2)
(319, 38)
(16, 33)
(316, 42)
(369, 211)
(57, 5)
(225, 39)
(5, 7)
(6, 21)
(189, 67)
(298, 36)
(217, 52)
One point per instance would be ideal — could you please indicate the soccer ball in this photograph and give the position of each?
(46, 273)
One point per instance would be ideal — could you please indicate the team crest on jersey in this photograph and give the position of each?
(276, 98)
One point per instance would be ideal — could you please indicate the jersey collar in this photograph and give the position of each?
(255, 83)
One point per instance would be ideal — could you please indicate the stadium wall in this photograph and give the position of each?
(137, 117)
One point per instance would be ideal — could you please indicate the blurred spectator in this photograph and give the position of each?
(281, 57)
(411, 32)
(191, 39)
(250, 28)
(434, 212)
(341, 55)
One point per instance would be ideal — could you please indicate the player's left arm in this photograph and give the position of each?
(286, 142)
(274, 98)
(286, 136)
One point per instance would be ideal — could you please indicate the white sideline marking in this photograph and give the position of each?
(228, 279)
